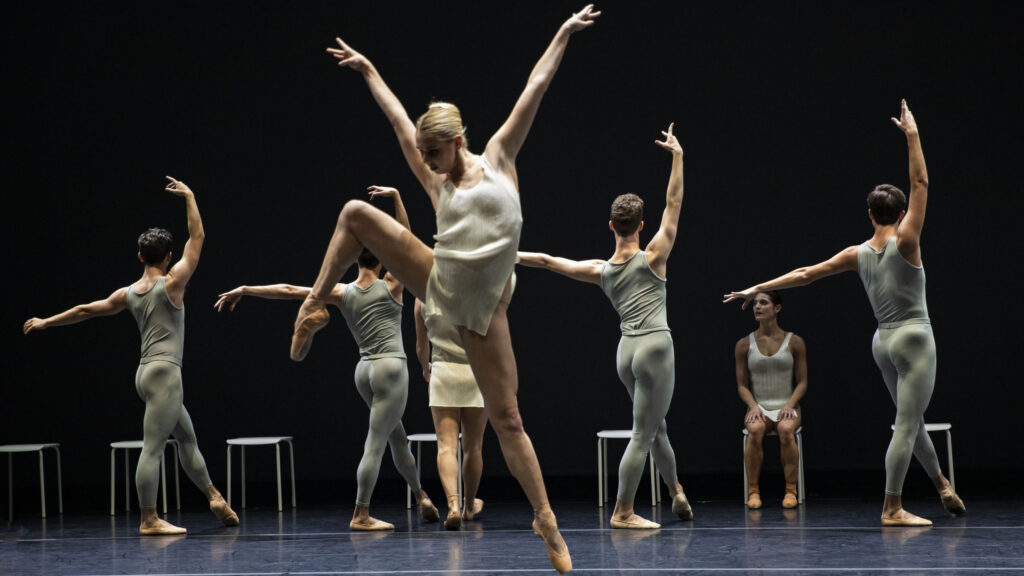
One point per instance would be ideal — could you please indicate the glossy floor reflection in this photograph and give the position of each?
(833, 537)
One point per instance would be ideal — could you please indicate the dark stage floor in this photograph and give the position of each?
(833, 537)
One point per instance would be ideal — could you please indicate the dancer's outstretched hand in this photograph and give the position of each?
(581, 19)
(906, 121)
(382, 191)
(346, 56)
(670, 143)
(177, 187)
(746, 295)
(34, 324)
(229, 299)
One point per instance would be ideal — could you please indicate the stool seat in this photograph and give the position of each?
(274, 441)
(948, 429)
(418, 439)
(603, 437)
(127, 445)
(11, 450)
(800, 464)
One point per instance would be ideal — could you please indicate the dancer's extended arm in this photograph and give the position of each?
(394, 286)
(504, 146)
(661, 244)
(585, 271)
(422, 341)
(909, 232)
(841, 262)
(404, 128)
(179, 274)
(799, 349)
(110, 305)
(273, 292)
(743, 382)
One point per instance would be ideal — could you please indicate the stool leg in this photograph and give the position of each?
(42, 485)
(60, 484)
(949, 455)
(163, 479)
(458, 461)
(654, 482)
(277, 453)
(10, 487)
(177, 485)
(604, 451)
(746, 487)
(658, 481)
(801, 491)
(408, 490)
(112, 480)
(291, 457)
(600, 478)
(243, 476)
(127, 485)
(229, 474)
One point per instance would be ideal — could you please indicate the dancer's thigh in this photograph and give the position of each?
(402, 253)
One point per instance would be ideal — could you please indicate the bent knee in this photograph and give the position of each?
(507, 421)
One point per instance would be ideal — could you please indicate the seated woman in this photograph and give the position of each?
(768, 362)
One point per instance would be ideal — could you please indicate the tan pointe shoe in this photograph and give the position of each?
(224, 513)
(754, 501)
(903, 518)
(370, 524)
(951, 502)
(681, 507)
(427, 510)
(634, 522)
(789, 500)
(160, 527)
(312, 317)
(562, 563)
(470, 512)
(454, 519)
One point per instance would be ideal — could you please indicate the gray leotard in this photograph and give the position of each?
(158, 383)
(375, 319)
(382, 380)
(646, 365)
(475, 250)
(904, 349)
(771, 377)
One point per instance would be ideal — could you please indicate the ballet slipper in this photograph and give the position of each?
(951, 502)
(790, 500)
(312, 317)
(903, 518)
(470, 512)
(370, 524)
(634, 522)
(562, 563)
(160, 527)
(754, 501)
(681, 507)
(427, 509)
(454, 520)
(224, 513)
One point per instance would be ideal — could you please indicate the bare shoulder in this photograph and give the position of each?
(743, 345)
(337, 293)
(797, 343)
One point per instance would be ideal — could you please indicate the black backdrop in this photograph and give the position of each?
(783, 111)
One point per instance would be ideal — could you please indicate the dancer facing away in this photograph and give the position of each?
(465, 278)
(372, 307)
(768, 361)
(634, 280)
(156, 302)
(455, 401)
(890, 267)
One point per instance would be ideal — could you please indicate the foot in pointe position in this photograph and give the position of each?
(681, 506)
(951, 502)
(312, 317)
(471, 511)
(548, 531)
(223, 511)
(427, 509)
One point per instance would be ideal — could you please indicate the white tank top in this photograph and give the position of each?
(771, 377)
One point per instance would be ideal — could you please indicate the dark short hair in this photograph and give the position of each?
(155, 245)
(774, 295)
(367, 260)
(627, 214)
(886, 202)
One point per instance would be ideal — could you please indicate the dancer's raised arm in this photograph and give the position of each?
(404, 128)
(179, 274)
(584, 271)
(110, 305)
(661, 244)
(909, 231)
(504, 146)
(273, 292)
(844, 261)
(402, 217)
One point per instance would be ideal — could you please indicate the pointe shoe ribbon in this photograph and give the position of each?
(635, 522)
(562, 563)
(305, 327)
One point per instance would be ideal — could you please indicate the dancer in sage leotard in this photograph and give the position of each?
(372, 307)
(634, 280)
(155, 301)
(890, 267)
